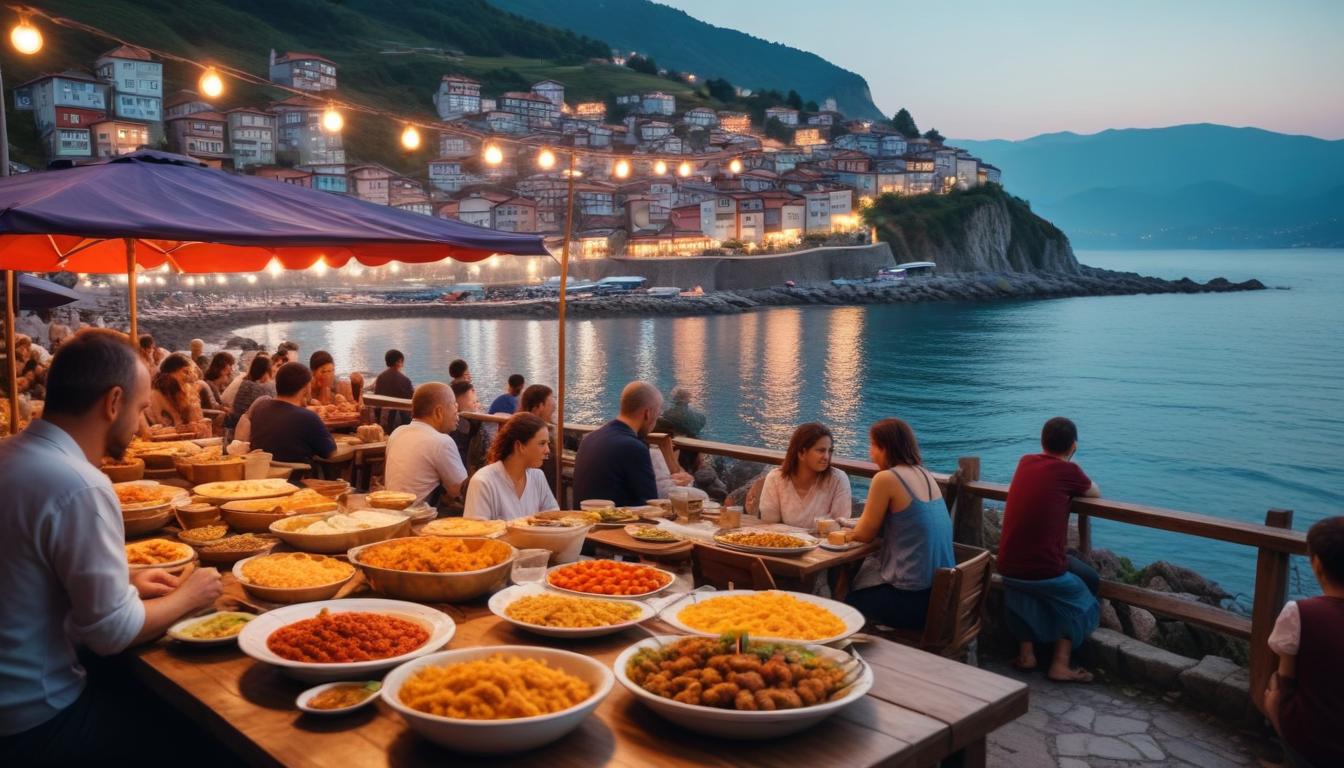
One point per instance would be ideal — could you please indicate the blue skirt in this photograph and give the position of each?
(1049, 609)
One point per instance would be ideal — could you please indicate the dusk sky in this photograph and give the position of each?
(981, 69)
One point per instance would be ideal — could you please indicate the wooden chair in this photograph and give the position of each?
(725, 569)
(956, 606)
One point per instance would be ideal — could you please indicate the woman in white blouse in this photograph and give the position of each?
(806, 488)
(512, 484)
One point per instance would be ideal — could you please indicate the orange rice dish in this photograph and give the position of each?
(341, 638)
(435, 555)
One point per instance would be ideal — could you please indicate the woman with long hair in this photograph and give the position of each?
(905, 508)
(173, 400)
(806, 488)
(327, 388)
(257, 384)
(512, 484)
(219, 374)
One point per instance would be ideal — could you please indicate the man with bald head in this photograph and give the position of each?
(421, 456)
(613, 462)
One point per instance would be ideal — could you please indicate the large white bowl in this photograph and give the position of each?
(500, 601)
(848, 614)
(732, 723)
(565, 544)
(252, 640)
(335, 543)
(500, 736)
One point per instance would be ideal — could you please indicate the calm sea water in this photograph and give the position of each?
(1226, 404)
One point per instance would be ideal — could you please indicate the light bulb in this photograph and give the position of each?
(251, 279)
(332, 122)
(622, 169)
(735, 166)
(493, 154)
(546, 160)
(660, 168)
(410, 138)
(211, 84)
(684, 170)
(26, 38)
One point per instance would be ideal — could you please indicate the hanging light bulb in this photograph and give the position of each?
(332, 122)
(622, 169)
(410, 138)
(211, 84)
(546, 160)
(493, 154)
(25, 37)
(274, 268)
(660, 168)
(684, 169)
(735, 165)
(251, 279)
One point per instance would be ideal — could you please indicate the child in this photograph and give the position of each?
(1305, 697)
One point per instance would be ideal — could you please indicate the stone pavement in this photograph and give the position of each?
(1106, 725)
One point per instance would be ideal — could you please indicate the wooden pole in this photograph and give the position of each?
(1271, 590)
(13, 372)
(560, 376)
(130, 292)
(970, 507)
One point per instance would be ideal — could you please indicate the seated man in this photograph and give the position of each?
(467, 435)
(284, 427)
(63, 565)
(393, 383)
(1305, 698)
(506, 403)
(613, 462)
(422, 457)
(1050, 595)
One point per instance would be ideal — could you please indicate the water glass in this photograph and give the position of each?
(680, 498)
(529, 567)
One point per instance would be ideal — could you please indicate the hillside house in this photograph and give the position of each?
(447, 174)
(456, 146)
(867, 143)
(299, 133)
(409, 195)
(809, 137)
(183, 103)
(200, 135)
(785, 218)
(136, 80)
(592, 111)
(551, 90)
(517, 214)
(785, 115)
(251, 137)
(329, 177)
(457, 96)
(295, 176)
(500, 121)
(703, 117)
(478, 207)
(535, 111)
(371, 183)
(118, 137)
(893, 145)
(658, 103)
(825, 119)
(305, 71)
(667, 242)
(64, 106)
(968, 170)
(734, 122)
(992, 173)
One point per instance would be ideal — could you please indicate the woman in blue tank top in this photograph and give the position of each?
(906, 510)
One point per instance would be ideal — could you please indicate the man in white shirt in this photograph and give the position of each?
(422, 456)
(63, 563)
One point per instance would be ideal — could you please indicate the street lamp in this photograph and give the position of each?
(622, 169)
(660, 168)
(684, 169)
(332, 122)
(26, 38)
(493, 154)
(410, 138)
(211, 84)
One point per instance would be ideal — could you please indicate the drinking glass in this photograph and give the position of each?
(680, 498)
(529, 567)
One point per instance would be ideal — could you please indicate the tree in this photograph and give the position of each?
(794, 100)
(721, 89)
(778, 131)
(811, 106)
(933, 135)
(905, 124)
(642, 64)
(616, 112)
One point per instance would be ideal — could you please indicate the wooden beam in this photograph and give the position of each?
(968, 522)
(1173, 607)
(1271, 590)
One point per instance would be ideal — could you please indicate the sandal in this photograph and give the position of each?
(1077, 675)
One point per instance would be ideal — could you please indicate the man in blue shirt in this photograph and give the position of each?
(508, 402)
(613, 462)
(284, 427)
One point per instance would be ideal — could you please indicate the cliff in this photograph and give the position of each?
(978, 230)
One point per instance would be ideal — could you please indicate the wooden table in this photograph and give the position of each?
(923, 708)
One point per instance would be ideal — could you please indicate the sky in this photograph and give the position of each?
(1010, 69)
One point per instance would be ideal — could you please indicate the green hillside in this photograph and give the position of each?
(466, 36)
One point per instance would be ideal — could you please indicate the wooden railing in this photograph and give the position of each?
(965, 492)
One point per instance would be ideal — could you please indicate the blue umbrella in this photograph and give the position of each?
(36, 293)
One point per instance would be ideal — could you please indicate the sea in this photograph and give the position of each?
(1222, 404)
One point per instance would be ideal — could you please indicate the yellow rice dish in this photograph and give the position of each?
(295, 570)
(763, 614)
(570, 612)
(497, 688)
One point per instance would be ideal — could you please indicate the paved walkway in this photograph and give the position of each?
(1104, 725)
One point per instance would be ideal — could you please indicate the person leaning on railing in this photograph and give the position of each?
(1305, 698)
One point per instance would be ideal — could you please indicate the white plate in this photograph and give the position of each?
(632, 527)
(176, 631)
(260, 489)
(812, 543)
(179, 496)
(841, 547)
(500, 601)
(252, 640)
(732, 723)
(852, 619)
(671, 577)
(302, 701)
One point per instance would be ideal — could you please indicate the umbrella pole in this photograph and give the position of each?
(130, 292)
(12, 374)
(560, 379)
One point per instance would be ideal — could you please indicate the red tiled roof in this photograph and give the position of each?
(461, 79)
(127, 52)
(289, 56)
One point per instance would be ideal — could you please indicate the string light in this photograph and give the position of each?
(410, 138)
(546, 160)
(622, 169)
(493, 154)
(211, 84)
(684, 169)
(735, 165)
(251, 279)
(332, 122)
(26, 38)
(660, 168)
(274, 268)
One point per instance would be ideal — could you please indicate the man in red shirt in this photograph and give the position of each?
(1033, 544)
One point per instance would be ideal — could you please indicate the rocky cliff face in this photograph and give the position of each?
(980, 230)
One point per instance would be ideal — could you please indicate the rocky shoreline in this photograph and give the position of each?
(175, 327)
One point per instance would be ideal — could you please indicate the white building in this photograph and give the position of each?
(457, 96)
(552, 91)
(305, 71)
(658, 103)
(137, 86)
(784, 115)
(251, 137)
(701, 116)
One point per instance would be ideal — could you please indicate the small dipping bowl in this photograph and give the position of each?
(371, 689)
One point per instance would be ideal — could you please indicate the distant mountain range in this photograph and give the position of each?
(679, 41)
(1191, 186)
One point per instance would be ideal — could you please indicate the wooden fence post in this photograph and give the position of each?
(968, 515)
(1271, 590)
(1084, 533)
